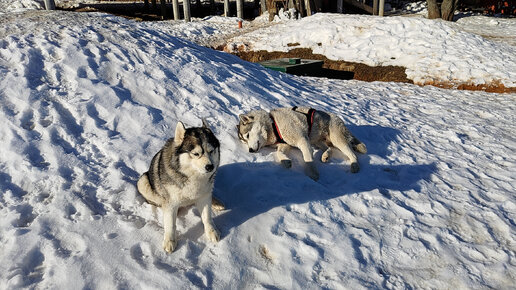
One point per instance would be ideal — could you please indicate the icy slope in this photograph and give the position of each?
(88, 99)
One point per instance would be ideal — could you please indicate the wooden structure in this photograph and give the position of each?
(295, 66)
(309, 7)
(50, 5)
(376, 9)
(303, 7)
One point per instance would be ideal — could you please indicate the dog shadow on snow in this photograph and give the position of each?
(250, 189)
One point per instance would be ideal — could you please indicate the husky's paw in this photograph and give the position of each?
(169, 245)
(286, 163)
(213, 235)
(354, 167)
(216, 204)
(361, 148)
(325, 157)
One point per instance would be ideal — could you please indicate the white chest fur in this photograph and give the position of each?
(197, 187)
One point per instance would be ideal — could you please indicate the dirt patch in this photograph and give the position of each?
(360, 71)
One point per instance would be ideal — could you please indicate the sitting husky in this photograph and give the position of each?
(299, 127)
(182, 173)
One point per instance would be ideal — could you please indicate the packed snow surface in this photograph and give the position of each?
(88, 99)
(433, 51)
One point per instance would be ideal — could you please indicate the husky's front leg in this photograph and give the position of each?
(204, 207)
(281, 153)
(169, 225)
(307, 151)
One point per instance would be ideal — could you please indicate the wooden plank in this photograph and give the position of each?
(382, 6)
(375, 7)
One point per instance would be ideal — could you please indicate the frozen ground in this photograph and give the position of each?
(87, 99)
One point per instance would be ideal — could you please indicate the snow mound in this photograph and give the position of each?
(432, 51)
(88, 99)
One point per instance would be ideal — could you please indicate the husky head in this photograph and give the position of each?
(252, 129)
(197, 147)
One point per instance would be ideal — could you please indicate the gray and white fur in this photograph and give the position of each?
(182, 173)
(328, 132)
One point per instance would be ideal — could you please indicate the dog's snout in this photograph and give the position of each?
(251, 150)
(209, 167)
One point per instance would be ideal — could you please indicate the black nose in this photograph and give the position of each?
(251, 150)
(209, 167)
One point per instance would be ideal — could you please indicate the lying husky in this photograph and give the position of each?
(182, 173)
(299, 127)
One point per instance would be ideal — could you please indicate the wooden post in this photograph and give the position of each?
(50, 5)
(340, 6)
(382, 6)
(240, 8)
(154, 6)
(186, 10)
(163, 5)
(175, 8)
(375, 7)
(263, 5)
(226, 8)
(308, 8)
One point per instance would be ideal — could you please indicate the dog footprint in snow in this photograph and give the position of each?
(141, 253)
(29, 271)
(27, 216)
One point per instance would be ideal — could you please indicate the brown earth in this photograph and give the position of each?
(362, 71)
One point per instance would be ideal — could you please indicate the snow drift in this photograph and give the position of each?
(88, 99)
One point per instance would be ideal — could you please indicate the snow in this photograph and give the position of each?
(88, 99)
(433, 51)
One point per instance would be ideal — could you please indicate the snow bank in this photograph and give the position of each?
(432, 50)
(88, 99)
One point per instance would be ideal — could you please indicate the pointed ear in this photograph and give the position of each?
(180, 133)
(205, 124)
(245, 119)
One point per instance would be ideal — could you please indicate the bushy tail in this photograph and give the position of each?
(145, 189)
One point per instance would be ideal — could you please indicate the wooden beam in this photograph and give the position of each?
(226, 8)
(340, 6)
(186, 10)
(50, 5)
(175, 8)
(375, 7)
(308, 8)
(240, 8)
(382, 6)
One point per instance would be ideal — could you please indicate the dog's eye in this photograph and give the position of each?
(196, 154)
(247, 136)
